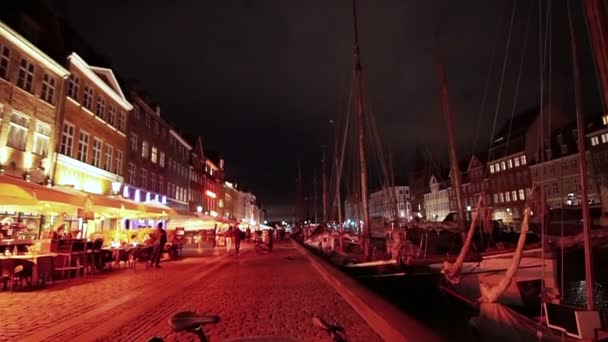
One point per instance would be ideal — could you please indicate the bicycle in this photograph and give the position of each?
(192, 322)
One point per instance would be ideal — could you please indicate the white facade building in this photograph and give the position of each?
(383, 204)
(436, 202)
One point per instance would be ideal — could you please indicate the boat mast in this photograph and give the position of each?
(338, 174)
(589, 276)
(324, 186)
(299, 195)
(361, 127)
(447, 112)
(314, 195)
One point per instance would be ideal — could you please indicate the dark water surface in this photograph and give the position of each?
(421, 298)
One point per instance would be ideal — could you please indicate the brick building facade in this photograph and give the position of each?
(93, 145)
(31, 86)
(146, 176)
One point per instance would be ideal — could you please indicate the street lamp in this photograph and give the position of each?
(199, 209)
(116, 187)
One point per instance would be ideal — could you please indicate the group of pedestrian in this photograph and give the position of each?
(234, 235)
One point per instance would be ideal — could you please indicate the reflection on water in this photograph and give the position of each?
(575, 294)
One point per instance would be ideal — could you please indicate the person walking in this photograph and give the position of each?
(237, 235)
(229, 235)
(160, 239)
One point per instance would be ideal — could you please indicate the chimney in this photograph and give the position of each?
(157, 110)
(221, 164)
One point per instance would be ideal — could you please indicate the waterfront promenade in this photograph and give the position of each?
(275, 294)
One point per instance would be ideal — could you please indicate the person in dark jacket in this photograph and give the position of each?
(237, 235)
(160, 239)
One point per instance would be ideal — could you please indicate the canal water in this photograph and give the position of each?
(420, 297)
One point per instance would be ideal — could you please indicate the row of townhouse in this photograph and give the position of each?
(537, 147)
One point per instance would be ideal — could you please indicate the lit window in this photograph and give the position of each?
(67, 139)
(5, 57)
(134, 143)
(73, 87)
(19, 128)
(516, 161)
(83, 147)
(523, 159)
(497, 167)
(510, 164)
(604, 138)
(154, 155)
(108, 162)
(26, 76)
(514, 195)
(604, 118)
(144, 179)
(501, 197)
(122, 121)
(48, 89)
(42, 136)
(595, 141)
(97, 146)
(508, 196)
(132, 174)
(161, 160)
(503, 165)
(112, 115)
(118, 163)
(522, 195)
(88, 98)
(101, 107)
(145, 149)
(491, 168)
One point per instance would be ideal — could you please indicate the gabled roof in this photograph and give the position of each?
(109, 78)
(480, 157)
(109, 86)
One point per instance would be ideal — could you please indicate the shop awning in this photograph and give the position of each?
(20, 195)
(11, 194)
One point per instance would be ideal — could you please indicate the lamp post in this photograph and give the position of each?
(199, 209)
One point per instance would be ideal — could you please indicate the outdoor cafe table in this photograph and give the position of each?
(25, 257)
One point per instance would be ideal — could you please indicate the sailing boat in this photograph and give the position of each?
(361, 189)
(497, 321)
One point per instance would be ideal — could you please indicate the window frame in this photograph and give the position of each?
(84, 151)
(5, 61)
(64, 147)
(38, 136)
(25, 76)
(47, 92)
(14, 126)
(97, 152)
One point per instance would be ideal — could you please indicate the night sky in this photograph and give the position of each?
(259, 80)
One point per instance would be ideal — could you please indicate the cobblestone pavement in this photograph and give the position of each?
(27, 313)
(274, 294)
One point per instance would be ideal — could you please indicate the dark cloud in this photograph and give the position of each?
(258, 80)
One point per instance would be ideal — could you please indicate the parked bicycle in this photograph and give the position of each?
(194, 323)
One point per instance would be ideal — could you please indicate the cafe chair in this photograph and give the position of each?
(45, 267)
